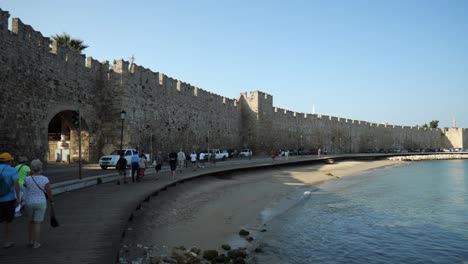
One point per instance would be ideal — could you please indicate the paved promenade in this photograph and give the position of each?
(93, 219)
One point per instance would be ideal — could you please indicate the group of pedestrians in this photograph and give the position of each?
(138, 164)
(20, 186)
(180, 160)
(177, 161)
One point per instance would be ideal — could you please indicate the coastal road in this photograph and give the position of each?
(60, 172)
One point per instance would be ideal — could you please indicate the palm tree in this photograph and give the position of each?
(66, 40)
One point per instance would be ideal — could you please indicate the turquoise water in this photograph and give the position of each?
(415, 213)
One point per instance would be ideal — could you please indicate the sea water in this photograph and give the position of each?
(415, 213)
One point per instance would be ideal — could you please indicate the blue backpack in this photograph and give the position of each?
(4, 187)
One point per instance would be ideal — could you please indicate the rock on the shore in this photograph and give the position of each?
(237, 253)
(222, 259)
(210, 254)
(182, 256)
(244, 232)
(137, 261)
(155, 260)
(195, 250)
(239, 261)
(226, 247)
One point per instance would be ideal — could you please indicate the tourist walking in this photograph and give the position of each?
(134, 163)
(213, 158)
(273, 155)
(181, 159)
(158, 164)
(318, 152)
(173, 163)
(122, 168)
(142, 164)
(187, 159)
(37, 189)
(202, 160)
(9, 195)
(193, 159)
(23, 170)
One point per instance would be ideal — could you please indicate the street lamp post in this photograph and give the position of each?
(122, 118)
(80, 170)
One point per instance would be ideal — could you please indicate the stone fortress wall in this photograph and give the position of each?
(170, 113)
(40, 80)
(277, 128)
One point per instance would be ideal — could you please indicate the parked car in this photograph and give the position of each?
(246, 153)
(306, 151)
(218, 154)
(372, 151)
(111, 159)
(293, 152)
(226, 152)
(233, 153)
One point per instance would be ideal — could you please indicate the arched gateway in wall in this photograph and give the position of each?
(63, 134)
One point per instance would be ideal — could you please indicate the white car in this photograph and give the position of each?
(111, 159)
(246, 153)
(218, 154)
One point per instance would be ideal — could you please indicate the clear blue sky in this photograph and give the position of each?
(400, 62)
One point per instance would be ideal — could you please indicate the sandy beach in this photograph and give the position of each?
(209, 212)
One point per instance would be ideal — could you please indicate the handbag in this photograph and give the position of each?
(53, 220)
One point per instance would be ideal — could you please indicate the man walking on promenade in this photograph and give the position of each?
(202, 160)
(9, 194)
(273, 155)
(193, 159)
(173, 163)
(181, 159)
(135, 168)
(122, 167)
(158, 163)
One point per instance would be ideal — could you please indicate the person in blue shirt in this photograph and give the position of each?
(135, 168)
(9, 200)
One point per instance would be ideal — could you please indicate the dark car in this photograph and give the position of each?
(372, 151)
(233, 153)
(304, 151)
(293, 152)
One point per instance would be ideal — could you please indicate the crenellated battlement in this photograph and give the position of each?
(25, 37)
(4, 15)
(169, 84)
(29, 36)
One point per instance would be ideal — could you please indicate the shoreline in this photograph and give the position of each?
(450, 156)
(210, 211)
